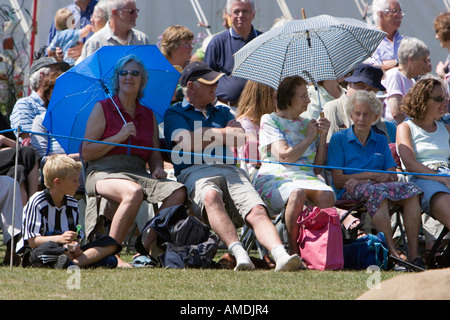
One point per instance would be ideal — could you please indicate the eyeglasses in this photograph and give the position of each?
(134, 73)
(130, 11)
(394, 11)
(305, 97)
(440, 98)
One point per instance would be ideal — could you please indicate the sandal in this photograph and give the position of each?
(354, 228)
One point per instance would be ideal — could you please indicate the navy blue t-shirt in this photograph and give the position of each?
(184, 116)
(219, 56)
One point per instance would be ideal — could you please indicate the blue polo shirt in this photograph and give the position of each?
(184, 116)
(219, 56)
(345, 151)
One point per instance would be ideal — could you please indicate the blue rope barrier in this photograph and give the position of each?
(6, 131)
(230, 158)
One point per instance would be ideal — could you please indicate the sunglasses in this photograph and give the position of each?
(439, 98)
(134, 73)
(396, 12)
(130, 11)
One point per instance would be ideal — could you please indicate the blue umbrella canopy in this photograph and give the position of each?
(77, 90)
(317, 48)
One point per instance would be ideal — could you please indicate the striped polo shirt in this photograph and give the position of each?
(25, 110)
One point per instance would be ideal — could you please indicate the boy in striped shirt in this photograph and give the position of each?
(50, 221)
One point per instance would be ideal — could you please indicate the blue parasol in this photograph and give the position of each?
(77, 90)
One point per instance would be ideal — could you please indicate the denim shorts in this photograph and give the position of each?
(430, 188)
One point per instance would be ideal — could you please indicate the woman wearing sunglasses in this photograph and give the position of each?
(120, 173)
(423, 146)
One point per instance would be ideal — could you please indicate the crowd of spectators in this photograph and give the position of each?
(391, 100)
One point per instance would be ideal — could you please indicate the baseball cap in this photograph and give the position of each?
(201, 72)
(368, 74)
(44, 62)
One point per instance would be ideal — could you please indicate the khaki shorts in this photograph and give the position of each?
(238, 194)
(129, 168)
(121, 167)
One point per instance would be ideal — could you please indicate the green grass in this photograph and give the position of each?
(187, 284)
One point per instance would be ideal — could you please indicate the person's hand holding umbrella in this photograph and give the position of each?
(119, 172)
(71, 105)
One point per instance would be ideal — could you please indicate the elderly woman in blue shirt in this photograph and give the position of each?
(359, 147)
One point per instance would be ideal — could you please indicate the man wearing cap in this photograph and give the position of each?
(364, 77)
(220, 192)
(220, 50)
(27, 108)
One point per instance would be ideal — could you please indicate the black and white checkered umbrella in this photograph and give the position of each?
(317, 48)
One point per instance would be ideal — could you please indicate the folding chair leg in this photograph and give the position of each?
(406, 264)
(247, 238)
(432, 263)
(129, 243)
(249, 241)
(399, 225)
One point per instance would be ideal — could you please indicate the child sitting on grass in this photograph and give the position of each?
(50, 221)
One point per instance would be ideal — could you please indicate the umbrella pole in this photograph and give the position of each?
(316, 86)
(307, 32)
(105, 88)
(120, 113)
(117, 107)
(14, 201)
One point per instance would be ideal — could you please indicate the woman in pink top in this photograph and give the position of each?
(120, 173)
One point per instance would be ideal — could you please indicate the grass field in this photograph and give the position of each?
(187, 284)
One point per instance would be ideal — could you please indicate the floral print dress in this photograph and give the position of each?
(373, 194)
(276, 181)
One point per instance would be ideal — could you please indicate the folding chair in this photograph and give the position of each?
(249, 241)
(433, 260)
(442, 260)
(358, 210)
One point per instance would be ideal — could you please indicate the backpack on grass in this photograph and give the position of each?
(188, 243)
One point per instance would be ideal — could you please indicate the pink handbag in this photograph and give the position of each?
(320, 239)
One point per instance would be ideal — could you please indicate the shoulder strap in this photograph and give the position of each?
(162, 223)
